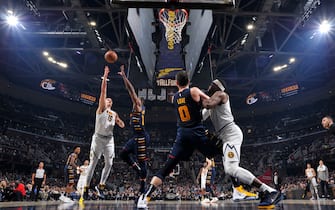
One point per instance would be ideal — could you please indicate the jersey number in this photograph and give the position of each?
(184, 114)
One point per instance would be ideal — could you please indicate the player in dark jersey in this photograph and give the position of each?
(70, 170)
(134, 152)
(210, 180)
(327, 123)
(190, 132)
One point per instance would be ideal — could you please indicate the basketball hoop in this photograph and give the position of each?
(174, 22)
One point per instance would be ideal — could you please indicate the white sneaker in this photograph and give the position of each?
(142, 202)
(65, 199)
(239, 193)
(100, 193)
(214, 200)
(206, 200)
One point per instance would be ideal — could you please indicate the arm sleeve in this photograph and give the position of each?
(205, 114)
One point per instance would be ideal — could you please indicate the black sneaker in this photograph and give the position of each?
(85, 195)
(100, 193)
(269, 200)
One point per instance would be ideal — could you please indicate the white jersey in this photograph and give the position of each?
(39, 173)
(203, 177)
(83, 171)
(309, 172)
(230, 134)
(82, 179)
(221, 116)
(104, 123)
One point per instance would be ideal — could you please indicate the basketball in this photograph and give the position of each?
(111, 56)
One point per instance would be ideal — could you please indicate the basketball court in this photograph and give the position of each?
(169, 205)
(156, 39)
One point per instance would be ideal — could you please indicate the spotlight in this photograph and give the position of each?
(324, 26)
(92, 23)
(12, 20)
(64, 65)
(292, 60)
(250, 27)
(52, 60)
(279, 68)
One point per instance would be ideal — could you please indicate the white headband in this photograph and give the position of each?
(219, 84)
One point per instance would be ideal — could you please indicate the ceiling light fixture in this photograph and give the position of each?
(324, 27)
(250, 27)
(12, 20)
(292, 60)
(279, 68)
(92, 23)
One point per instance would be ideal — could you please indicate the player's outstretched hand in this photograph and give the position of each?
(106, 71)
(121, 72)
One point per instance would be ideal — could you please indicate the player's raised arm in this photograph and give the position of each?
(131, 90)
(119, 121)
(103, 92)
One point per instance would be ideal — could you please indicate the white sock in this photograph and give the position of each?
(265, 187)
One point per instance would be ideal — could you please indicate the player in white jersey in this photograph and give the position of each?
(82, 178)
(232, 137)
(103, 140)
(203, 178)
(311, 181)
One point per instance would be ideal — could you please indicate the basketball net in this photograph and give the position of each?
(174, 22)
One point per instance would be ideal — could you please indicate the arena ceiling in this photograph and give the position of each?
(285, 36)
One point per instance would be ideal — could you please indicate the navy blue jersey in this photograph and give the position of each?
(188, 111)
(137, 121)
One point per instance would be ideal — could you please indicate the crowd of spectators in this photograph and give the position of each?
(30, 134)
